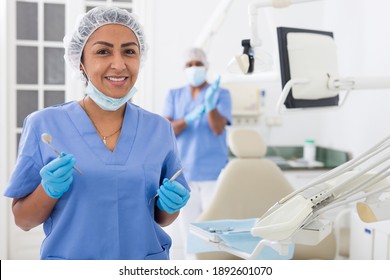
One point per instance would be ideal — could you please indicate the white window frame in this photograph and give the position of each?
(12, 87)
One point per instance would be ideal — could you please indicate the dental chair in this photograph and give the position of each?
(248, 186)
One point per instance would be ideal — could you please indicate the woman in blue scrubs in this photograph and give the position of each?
(116, 207)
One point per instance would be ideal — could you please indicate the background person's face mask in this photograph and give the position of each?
(105, 102)
(196, 75)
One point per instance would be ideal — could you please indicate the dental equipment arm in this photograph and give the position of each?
(363, 180)
(253, 8)
(247, 60)
(335, 84)
(213, 25)
(221, 12)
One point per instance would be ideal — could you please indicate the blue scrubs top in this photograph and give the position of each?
(203, 153)
(108, 212)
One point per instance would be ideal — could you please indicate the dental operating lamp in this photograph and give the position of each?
(309, 80)
(253, 59)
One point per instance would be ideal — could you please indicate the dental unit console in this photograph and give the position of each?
(307, 215)
(363, 181)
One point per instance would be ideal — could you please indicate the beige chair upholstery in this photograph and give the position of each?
(248, 186)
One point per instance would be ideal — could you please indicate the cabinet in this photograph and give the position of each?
(369, 241)
(301, 177)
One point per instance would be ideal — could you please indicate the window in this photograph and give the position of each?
(39, 64)
(124, 4)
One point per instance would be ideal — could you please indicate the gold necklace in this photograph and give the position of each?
(104, 138)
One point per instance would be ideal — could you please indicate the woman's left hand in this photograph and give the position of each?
(172, 196)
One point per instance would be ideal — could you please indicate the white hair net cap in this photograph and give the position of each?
(196, 54)
(88, 23)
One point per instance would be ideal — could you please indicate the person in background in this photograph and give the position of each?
(199, 113)
(116, 206)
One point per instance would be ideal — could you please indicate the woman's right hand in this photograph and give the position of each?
(57, 175)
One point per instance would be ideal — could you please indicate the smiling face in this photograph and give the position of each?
(111, 59)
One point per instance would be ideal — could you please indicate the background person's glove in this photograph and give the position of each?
(194, 114)
(172, 196)
(209, 99)
(57, 175)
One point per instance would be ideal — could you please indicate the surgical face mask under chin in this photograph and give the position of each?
(105, 102)
(196, 75)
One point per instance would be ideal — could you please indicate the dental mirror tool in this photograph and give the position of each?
(46, 138)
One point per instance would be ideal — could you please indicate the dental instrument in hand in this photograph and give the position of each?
(177, 174)
(46, 138)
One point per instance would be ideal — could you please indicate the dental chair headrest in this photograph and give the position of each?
(246, 143)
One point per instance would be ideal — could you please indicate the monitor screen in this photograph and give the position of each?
(307, 54)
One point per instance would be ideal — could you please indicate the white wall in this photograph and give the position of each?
(360, 32)
(363, 43)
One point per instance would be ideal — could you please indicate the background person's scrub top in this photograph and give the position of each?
(203, 153)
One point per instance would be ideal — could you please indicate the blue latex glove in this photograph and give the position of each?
(209, 99)
(172, 196)
(57, 175)
(194, 114)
